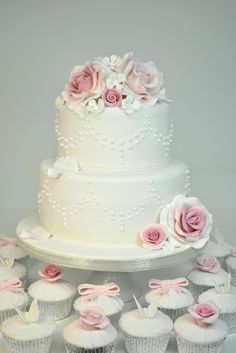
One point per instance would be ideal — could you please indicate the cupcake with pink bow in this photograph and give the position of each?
(171, 296)
(12, 296)
(54, 295)
(91, 333)
(105, 296)
(200, 330)
(207, 273)
(9, 248)
(231, 265)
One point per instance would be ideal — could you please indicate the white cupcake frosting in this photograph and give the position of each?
(135, 324)
(231, 262)
(171, 299)
(186, 327)
(10, 300)
(17, 270)
(12, 250)
(77, 336)
(16, 328)
(51, 291)
(110, 305)
(208, 279)
(226, 302)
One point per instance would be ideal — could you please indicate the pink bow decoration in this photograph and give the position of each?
(177, 284)
(4, 240)
(92, 290)
(12, 285)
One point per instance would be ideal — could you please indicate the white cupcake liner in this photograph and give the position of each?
(230, 320)
(185, 346)
(5, 314)
(114, 318)
(155, 344)
(233, 275)
(174, 313)
(71, 348)
(56, 310)
(196, 290)
(41, 345)
(222, 262)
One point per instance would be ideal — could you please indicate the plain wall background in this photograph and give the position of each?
(192, 42)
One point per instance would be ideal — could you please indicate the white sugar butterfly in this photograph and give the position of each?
(148, 312)
(7, 262)
(29, 316)
(225, 288)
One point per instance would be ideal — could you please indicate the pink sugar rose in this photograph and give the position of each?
(112, 97)
(4, 240)
(207, 263)
(51, 273)
(233, 251)
(153, 236)
(84, 83)
(93, 318)
(188, 220)
(204, 313)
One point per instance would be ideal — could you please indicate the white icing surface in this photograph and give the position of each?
(110, 305)
(12, 250)
(115, 141)
(119, 206)
(10, 300)
(225, 301)
(171, 299)
(51, 291)
(231, 262)
(16, 328)
(186, 327)
(208, 279)
(134, 324)
(89, 339)
(18, 270)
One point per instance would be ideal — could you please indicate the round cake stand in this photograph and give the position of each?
(114, 263)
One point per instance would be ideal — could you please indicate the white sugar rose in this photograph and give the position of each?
(187, 220)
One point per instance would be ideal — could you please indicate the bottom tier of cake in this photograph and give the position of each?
(107, 209)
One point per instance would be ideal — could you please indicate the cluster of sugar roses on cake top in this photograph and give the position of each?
(113, 82)
(185, 220)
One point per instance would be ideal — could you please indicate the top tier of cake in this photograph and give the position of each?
(113, 116)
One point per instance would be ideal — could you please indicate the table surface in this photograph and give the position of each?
(226, 221)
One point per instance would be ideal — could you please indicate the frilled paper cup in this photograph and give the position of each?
(71, 348)
(185, 346)
(5, 314)
(135, 344)
(230, 320)
(56, 310)
(41, 345)
(197, 290)
(232, 272)
(174, 313)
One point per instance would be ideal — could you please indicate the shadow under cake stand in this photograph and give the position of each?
(110, 263)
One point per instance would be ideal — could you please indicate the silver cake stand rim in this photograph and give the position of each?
(144, 260)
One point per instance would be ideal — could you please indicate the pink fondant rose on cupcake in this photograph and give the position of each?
(188, 220)
(85, 83)
(51, 273)
(4, 240)
(204, 313)
(207, 263)
(153, 237)
(93, 318)
(112, 97)
(233, 251)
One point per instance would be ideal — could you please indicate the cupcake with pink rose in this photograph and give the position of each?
(153, 237)
(200, 330)
(231, 265)
(54, 295)
(207, 273)
(91, 333)
(105, 296)
(171, 296)
(9, 248)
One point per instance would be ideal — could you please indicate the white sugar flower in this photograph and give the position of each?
(115, 80)
(59, 102)
(95, 107)
(130, 104)
(78, 109)
(112, 61)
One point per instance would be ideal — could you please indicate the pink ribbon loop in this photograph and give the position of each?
(93, 290)
(4, 240)
(177, 284)
(12, 285)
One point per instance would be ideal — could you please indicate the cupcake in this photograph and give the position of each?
(225, 299)
(171, 296)
(217, 247)
(28, 332)
(8, 248)
(11, 296)
(146, 330)
(206, 274)
(54, 296)
(200, 330)
(231, 265)
(91, 333)
(104, 296)
(11, 269)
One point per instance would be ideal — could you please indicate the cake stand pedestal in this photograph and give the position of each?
(113, 262)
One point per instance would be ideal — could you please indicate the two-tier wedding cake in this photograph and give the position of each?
(114, 181)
